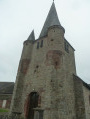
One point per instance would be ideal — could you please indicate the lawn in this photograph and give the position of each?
(4, 110)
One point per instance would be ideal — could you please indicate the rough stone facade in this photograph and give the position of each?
(86, 93)
(46, 71)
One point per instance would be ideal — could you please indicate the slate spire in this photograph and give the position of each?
(32, 36)
(51, 20)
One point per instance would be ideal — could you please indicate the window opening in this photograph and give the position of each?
(41, 43)
(66, 47)
(37, 45)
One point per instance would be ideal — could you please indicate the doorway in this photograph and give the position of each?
(33, 103)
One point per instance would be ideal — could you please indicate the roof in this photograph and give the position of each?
(32, 36)
(51, 20)
(84, 83)
(6, 87)
(69, 44)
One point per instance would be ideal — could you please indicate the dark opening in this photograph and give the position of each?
(37, 66)
(33, 104)
(41, 43)
(37, 45)
(52, 39)
(66, 47)
(26, 43)
(34, 71)
(56, 63)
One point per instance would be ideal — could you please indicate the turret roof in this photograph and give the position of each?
(51, 20)
(32, 36)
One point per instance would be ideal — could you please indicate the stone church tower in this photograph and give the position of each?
(46, 80)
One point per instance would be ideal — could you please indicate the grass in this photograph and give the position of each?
(4, 110)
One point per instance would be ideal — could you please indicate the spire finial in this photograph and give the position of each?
(53, 0)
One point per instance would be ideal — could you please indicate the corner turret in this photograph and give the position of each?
(22, 71)
(28, 45)
(51, 20)
(31, 37)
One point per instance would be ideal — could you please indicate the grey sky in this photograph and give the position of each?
(19, 17)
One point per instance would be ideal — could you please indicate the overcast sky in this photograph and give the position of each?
(19, 17)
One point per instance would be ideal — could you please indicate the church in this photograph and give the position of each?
(47, 86)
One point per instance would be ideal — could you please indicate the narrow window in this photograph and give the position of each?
(66, 47)
(89, 99)
(37, 45)
(56, 63)
(41, 43)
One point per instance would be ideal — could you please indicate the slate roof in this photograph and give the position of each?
(32, 36)
(51, 20)
(6, 87)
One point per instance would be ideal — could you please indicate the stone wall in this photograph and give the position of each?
(1, 102)
(50, 74)
(16, 105)
(86, 92)
(79, 98)
(48, 70)
(8, 98)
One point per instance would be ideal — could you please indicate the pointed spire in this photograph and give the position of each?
(32, 36)
(52, 20)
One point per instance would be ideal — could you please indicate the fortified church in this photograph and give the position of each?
(47, 86)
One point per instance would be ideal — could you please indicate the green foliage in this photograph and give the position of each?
(4, 110)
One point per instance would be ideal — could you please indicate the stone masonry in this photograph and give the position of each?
(46, 77)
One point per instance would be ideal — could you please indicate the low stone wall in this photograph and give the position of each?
(9, 117)
(3, 113)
